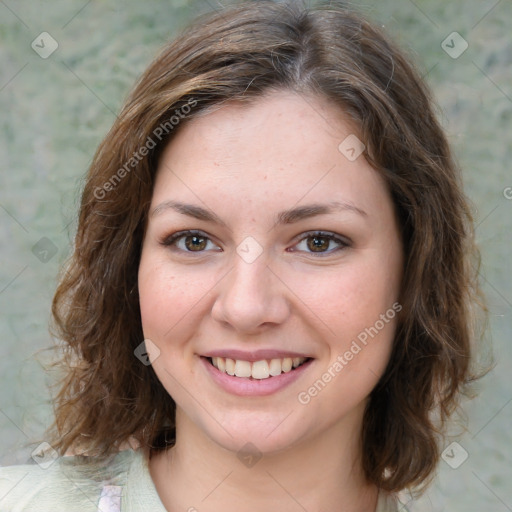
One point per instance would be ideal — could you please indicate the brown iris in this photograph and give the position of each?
(318, 243)
(195, 242)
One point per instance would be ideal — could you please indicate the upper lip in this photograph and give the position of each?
(254, 355)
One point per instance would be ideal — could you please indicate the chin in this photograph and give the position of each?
(252, 431)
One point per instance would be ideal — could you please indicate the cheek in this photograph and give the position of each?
(361, 315)
(370, 314)
(156, 290)
(170, 299)
(349, 298)
(355, 306)
(167, 300)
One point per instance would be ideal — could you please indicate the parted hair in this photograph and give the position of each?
(107, 397)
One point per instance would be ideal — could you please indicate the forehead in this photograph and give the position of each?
(281, 149)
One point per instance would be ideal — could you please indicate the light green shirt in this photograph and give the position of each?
(67, 485)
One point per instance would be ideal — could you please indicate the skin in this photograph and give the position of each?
(247, 163)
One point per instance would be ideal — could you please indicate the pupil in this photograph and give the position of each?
(318, 244)
(195, 243)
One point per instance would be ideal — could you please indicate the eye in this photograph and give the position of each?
(320, 243)
(190, 241)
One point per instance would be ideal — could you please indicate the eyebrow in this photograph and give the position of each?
(311, 210)
(285, 217)
(187, 209)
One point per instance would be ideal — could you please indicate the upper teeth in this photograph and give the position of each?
(258, 369)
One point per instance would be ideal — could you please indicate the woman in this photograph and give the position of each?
(269, 301)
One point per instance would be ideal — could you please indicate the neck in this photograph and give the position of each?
(315, 474)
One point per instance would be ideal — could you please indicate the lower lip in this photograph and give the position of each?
(243, 386)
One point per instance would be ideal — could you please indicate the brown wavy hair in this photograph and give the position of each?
(107, 396)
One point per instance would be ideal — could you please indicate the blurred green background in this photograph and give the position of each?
(55, 111)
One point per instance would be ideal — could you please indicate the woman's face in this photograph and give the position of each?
(270, 244)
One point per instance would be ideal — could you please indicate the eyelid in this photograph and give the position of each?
(169, 240)
(342, 240)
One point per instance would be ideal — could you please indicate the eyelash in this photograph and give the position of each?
(330, 237)
(172, 240)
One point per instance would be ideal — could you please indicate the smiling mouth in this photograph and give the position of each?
(258, 370)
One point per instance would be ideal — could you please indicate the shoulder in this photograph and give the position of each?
(64, 484)
(391, 502)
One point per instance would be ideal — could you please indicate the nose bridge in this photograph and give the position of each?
(250, 277)
(250, 296)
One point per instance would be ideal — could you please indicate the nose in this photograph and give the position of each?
(251, 298)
